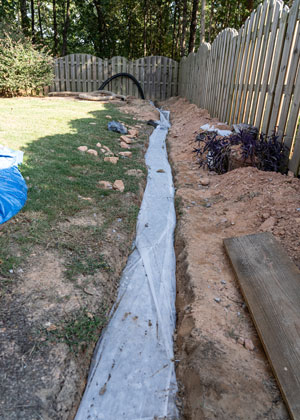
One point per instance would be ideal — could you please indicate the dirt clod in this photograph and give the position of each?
(82, 148)
(125, 154)
(111, 159)
(124, 145)
(249, 344)
(106, 185)
(119, 185)
(92, 152)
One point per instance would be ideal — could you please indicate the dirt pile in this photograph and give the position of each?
(223, 368)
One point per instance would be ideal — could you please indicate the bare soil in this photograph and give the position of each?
(41, 378)
(221, 376)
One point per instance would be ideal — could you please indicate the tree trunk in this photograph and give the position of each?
(24, 17)
(250, 5)
(193, 26)
(101, 27)
(32, 20)
(184, 24)
(54, 28)
(211, 17)
(40, 19)
(145, 28)
(202, 35)
(174, 29)
(65, 31)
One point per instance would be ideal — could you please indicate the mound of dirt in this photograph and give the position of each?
(142, 109)
(222, 365)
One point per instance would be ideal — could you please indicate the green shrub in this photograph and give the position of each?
(23, 68)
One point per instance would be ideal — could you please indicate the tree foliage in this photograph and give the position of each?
(23, 67)
(131, 28)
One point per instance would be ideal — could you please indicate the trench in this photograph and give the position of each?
(132, 374)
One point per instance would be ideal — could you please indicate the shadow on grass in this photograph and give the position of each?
(63, 181)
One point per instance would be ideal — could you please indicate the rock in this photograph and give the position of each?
(241, 341)
(105, 185)
(290, 173)
(98, 145)
(124, 145)
(125, 154)
(108, 152)
(249, 344)
(134, 172)
(111, 159)
(216, 299)
(265, 216)
(103, 150)
(82, 148)
(126, 139)
(119, 185)
(133, 132)
(92, 152)
(268, 224)
(204, 181)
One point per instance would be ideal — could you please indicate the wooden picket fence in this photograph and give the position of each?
(158, 76)
(253, 75)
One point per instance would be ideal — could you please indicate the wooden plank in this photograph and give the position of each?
(268, 62)
(67, 72)
(234, 75)
(73, 77)
(270, 283)
(170, 73)
(248, 31)
(290, 85)
(94, 73)
(288, 38)
(266, 127)
(295, 160)
(89, 72)
(78, 72)
(163, 78)
(260, 68)
(56, 73)
(238, 79)
(255, 16)
(62, 74)
(227, 86)
(261, 11)
(293, 121)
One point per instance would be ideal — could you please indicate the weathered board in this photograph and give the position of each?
(270, 283)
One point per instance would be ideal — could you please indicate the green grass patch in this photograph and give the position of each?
(81, 329)
(63, 182)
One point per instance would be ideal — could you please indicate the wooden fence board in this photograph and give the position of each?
(266, 127)
(270, 283)
(292, 19)
(261, 12)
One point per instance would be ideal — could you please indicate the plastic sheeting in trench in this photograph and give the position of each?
(132, 376)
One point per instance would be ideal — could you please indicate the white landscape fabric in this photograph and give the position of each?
(132, 376)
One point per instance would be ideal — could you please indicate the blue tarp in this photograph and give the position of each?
(13, 188)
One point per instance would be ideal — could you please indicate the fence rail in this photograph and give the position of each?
(157, 75)
(253, 75)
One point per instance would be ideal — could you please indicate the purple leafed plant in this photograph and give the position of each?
(267, 153)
